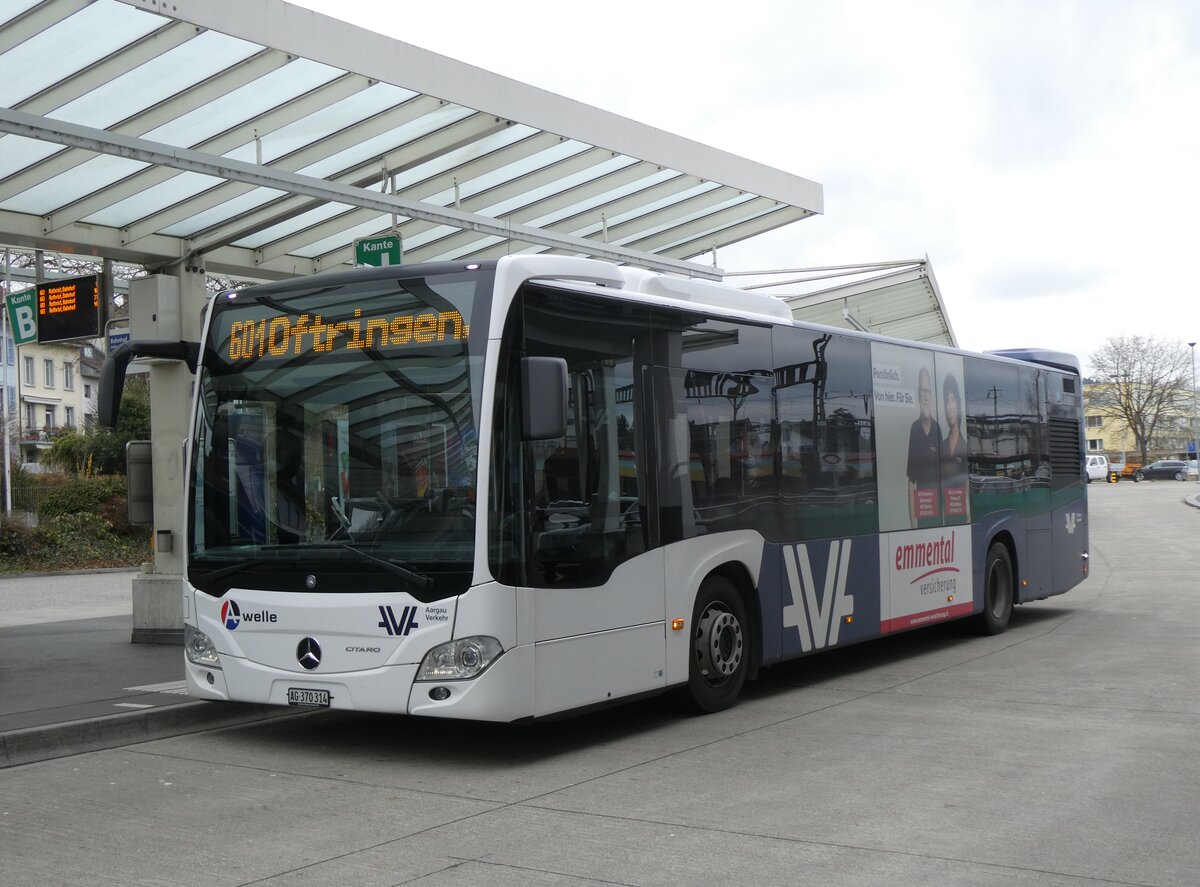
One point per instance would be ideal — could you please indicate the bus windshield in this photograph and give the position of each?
(336, 432)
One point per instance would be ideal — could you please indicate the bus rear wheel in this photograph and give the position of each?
(997, 590)
(720, 647)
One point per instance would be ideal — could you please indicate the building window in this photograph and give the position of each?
(28, 371)
(1095, 421)
(69, 419)
(49, 417)
(1095, 444)
(12, 399)
(87, 391)
(30, 421)
(48, 368)
(68, 375)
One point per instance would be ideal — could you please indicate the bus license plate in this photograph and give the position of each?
(298, 696)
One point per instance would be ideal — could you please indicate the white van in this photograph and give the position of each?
(1097, 468)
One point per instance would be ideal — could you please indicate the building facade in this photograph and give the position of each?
(1111, 435)
(51, 390)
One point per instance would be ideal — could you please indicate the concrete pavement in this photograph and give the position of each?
(70, 680)
(1062, 753)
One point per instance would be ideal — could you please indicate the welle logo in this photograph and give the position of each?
(817, 619)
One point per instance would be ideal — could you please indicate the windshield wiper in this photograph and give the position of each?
(223, 572)
(420, 580)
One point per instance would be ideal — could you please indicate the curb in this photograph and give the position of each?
(4, 576)
(32, 744)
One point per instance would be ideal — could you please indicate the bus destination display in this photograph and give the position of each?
(279, 335)
(68, 309)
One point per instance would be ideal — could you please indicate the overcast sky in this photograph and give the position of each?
(1045, 154)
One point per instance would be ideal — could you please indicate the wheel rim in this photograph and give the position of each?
(719, 645)
(999, 588)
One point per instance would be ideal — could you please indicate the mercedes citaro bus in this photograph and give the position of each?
(510, 489)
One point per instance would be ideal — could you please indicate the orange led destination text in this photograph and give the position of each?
(60, 299)
(279, 336)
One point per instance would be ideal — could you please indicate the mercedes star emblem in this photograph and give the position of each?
(308, 653)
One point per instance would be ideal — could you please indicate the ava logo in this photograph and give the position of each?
(817, 621)
(397, 627)
(231, 615)
(1072, 519)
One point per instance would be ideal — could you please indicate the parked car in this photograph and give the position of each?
(1173, 469)
(1097, 468)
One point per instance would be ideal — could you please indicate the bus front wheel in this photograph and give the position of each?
(997, 590)
(720, 647)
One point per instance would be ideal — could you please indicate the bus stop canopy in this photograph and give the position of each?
(899, 299)
(257, 139)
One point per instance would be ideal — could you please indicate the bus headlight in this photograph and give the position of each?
(459, 660)
(199, 647)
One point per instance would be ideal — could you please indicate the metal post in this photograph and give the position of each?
(4, 384)
(1195, 448)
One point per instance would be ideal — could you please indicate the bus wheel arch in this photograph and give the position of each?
(999, 585)
(722, 645)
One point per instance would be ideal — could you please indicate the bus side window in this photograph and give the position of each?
(580, 494)
(825, 413)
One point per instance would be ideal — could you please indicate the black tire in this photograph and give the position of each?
(720, 649)
(998, 590)
(1138, 477)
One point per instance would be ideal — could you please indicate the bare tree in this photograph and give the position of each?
(1146, 381)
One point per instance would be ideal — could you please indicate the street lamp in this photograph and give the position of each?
(1195, 453)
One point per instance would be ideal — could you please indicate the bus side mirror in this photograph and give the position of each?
(543, 398)
(112, 374)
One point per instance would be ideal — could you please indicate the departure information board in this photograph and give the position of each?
(68, 309)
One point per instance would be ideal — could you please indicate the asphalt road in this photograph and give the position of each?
(1064, 752)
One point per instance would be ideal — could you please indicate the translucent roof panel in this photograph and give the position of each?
(273, 89)
(85, 37)
(900, 298)
(265, 139)
(157, 80)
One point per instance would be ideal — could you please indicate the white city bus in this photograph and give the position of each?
(510, 489)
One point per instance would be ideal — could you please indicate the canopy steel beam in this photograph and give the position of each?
(145, 151)
(221, 192)
(323, 39)
(284, 244)
(116, 64)
(142, 181)
(591, 191)
(281, 210)
(705, 242)
(37, 19)
(144, 121)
